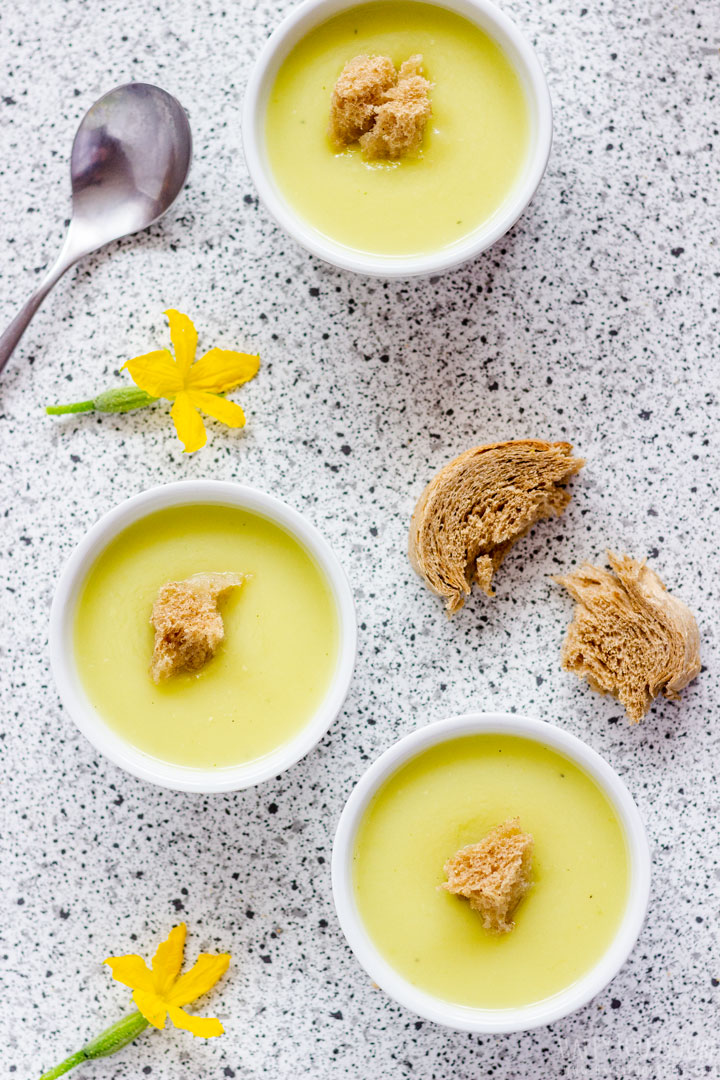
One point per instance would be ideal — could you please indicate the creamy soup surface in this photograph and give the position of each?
(474, 147)
(452, 795)
(271, 671)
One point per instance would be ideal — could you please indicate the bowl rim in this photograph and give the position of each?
(467, 1018)
(67, 678)
(310, 13)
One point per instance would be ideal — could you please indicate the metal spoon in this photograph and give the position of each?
(129, 162)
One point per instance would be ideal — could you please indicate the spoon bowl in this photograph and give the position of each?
(129, 162)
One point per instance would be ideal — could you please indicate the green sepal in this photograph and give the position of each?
(123, 399)
(120, 400)
(108, 1042)
(115, 1037)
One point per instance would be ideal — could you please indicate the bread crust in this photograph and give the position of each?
(629, 636)
(480, 504)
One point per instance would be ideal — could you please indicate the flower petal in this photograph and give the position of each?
(151, 1006)
(184, 338)
(168, 959)
(156, 373)
(188, 423)
(226, 411)
(201, 977)
(132, 971)
(222, 369)
(205, 1027)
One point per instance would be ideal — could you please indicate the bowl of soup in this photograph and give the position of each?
(483, 152)
(270, 689)
(441, 790)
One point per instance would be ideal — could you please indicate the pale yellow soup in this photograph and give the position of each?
(474, 148)
(270, 673)
(452, 795)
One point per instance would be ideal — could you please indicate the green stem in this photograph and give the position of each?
(108, 1042)
(78, 406)
(65, 1066)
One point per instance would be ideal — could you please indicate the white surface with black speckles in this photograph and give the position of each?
(595, 321)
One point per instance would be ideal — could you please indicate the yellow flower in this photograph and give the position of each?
(163, 991)
(193, 385)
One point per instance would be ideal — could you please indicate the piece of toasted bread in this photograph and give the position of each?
(359, 88)
(188, 625)
(474, 510)
(493, 875)
(384, 109)
(629, 637)
(401, 116)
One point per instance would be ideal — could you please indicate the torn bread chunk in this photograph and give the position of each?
(359, 88)
(629, 637)
(401, 116)
(384, 109)
(493, 875)
(188, 625)
(477, 506)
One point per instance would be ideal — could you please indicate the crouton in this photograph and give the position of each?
(401, 116)
(493, 875)
(385, 110)
(188, 625)
(359, 88)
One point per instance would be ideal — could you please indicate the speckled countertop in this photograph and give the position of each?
(595, 320)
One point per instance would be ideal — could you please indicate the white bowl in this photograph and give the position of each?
(521, 54)
(91, 722)
(461, 1017)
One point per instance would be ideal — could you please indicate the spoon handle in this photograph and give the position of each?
(17, 327)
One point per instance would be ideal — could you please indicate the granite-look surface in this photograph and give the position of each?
(595, 321)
